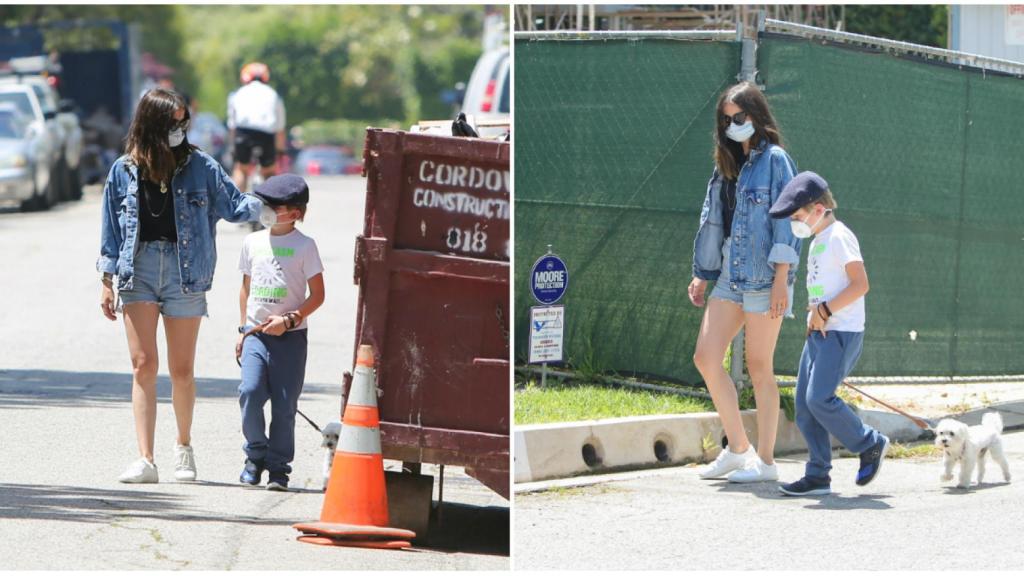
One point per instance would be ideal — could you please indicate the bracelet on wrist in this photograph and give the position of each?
(827, 309)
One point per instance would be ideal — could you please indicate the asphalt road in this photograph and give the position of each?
(669, 519)
(66, 429)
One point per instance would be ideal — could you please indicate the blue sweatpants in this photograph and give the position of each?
(826, 361)
(273, 368)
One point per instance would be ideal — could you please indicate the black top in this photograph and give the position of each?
(728, 194)
(156, 213)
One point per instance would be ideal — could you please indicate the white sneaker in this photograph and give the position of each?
(726, 462)
(755, 471)
(141, 471)
(184, 463)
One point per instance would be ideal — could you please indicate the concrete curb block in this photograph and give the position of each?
(563, 450)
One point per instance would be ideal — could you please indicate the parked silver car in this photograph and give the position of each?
(20, 171)
(44, 131)
(69, 132)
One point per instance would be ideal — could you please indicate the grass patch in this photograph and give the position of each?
(570, 403)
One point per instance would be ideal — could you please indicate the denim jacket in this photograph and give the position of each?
(758, 241)
(202, 194)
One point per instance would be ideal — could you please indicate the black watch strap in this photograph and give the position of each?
(241, 329)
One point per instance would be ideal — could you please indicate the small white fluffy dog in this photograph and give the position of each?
(967, 445)
(331, 433)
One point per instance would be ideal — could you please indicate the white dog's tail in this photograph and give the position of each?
(993, 420)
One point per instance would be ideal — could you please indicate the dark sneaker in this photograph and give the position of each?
(251, 474)
(277, 482)
(871, 461)
(807, 487)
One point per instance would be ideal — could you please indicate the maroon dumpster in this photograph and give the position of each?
(432, 265)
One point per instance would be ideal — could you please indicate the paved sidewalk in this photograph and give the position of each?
(669, 519)
(66, 428)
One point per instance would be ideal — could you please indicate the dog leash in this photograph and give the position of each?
(921, 423)
(238, 359)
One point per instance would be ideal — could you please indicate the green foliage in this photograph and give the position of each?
(917, 23)
(354, 62)
(348, 132)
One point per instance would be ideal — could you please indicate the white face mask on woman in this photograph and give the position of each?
(176, 137)
(740, 133)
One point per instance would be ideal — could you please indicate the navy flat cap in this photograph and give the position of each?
(804, 188)
(283, 189)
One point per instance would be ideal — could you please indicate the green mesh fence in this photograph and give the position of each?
(922, 160)
(613, 154)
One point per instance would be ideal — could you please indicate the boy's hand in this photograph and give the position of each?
(816, 322)
(238, 347)
(275, 325)
(780, 298)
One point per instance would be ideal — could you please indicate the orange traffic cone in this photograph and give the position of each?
(355, 511)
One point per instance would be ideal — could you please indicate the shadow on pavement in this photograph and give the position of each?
(471, 529)
(54, 388)
(837, 501)
(79, 504)
(974, 488)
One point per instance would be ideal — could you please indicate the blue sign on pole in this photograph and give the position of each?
(549, 279)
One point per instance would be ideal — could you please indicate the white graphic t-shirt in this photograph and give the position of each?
(278, 268)
(831, 250)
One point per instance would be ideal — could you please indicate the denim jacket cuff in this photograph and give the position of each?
(709, 275)
(106, 265)
(783, 254)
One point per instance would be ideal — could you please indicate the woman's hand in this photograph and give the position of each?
(107, 300)
(696, 291)
(780, 298)
(816, 322)
(275, 325)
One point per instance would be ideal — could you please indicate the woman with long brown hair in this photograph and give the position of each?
(752, 259)
(161, 204)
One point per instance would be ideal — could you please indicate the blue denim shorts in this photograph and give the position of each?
(158, 280)
(753, 302)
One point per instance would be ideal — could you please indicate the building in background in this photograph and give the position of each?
(995, 31)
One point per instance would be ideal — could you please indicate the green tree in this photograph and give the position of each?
(916, 23)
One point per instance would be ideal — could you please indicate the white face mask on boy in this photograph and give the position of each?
(801, 229)
(268, 217)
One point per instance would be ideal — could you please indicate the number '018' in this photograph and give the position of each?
(467, 240)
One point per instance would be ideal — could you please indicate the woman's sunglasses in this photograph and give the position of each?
(183, 125)
(738, 118)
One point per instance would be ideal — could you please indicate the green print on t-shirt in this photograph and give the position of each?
(268, 292)
(276, 251)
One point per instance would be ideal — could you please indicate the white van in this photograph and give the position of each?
(488, 94)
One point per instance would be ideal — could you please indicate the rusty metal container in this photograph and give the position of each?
(432, 265)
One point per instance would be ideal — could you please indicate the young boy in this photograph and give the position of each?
(277, 265)
(836, 285)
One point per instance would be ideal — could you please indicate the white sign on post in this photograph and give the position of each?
(547, 326)
(1015, 25)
